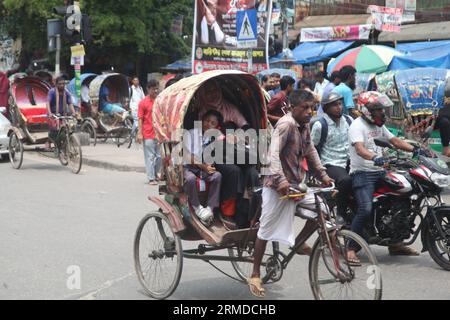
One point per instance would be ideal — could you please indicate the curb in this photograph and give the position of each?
(112, 166)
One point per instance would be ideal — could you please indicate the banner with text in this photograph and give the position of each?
(358, 32)
(386, 19)
(215, 42)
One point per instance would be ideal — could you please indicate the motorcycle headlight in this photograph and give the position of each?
(441, 180)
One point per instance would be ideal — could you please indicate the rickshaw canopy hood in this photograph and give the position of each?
(173, 103)
(118, 81)
(422, 89)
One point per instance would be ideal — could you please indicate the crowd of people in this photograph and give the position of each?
(322, 123)
(334, 131)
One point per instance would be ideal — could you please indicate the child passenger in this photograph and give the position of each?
(197, 174)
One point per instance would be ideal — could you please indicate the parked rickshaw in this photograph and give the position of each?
(158, 251)
(30, 128)
(87, 123)
(111, 126)
(418, 94)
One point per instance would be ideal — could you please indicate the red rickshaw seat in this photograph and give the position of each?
(31, 111)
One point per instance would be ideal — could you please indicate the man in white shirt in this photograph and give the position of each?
(211, 33)
(366, 162)
(137, 95)
(320, 84)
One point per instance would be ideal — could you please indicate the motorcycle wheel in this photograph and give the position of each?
(438, 247)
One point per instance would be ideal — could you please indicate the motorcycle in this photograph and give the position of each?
(410, 190)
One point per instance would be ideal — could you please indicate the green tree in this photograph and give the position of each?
(124, 31)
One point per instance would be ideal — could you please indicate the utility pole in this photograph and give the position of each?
(58, 56)
(285, 24)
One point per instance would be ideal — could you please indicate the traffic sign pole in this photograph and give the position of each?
(250, 60)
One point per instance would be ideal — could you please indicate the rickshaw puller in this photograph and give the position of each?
(58, 96)
(291, 143)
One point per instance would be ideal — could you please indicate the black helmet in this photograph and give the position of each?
(330, 98)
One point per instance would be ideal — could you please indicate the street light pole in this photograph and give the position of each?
(285, 24)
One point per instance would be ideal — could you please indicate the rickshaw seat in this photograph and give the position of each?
(31, 111)
(31, 101)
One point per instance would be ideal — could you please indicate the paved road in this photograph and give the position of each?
(54, 224)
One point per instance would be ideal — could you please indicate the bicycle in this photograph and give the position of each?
(331, 275)
(67, 146)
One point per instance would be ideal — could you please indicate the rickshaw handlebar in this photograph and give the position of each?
(317, 189)
(54, 116)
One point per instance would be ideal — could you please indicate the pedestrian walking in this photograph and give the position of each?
(137, 95)
(146, 133)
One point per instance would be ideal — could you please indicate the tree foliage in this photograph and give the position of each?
(123, 30)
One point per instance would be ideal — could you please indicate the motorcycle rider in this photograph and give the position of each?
(330, 136)
(366, 162)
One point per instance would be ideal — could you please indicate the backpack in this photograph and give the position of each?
(324, 131)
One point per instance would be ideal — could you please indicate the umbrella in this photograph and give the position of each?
(365, 59)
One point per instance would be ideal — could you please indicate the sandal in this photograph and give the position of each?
(256, 289)
(354, 261)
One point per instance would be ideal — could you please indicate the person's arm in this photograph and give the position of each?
(140, 136)
(272, 107)
(278, 143)
(363, 152)
(316, 133)
(401, 144)
(356, 139)
(70, 103)
(204, 31)
(49, 101)
(314, 159)
(220, 36)
(349, 104)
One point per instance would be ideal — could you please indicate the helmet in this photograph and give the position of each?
(330, 98)
(370, 101)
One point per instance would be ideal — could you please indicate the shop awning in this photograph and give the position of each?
(180, 65)
(434, 54)
(417, 32)
(309, 52)
(332, 21)
(327, 21)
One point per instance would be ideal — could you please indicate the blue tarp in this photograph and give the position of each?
(435, 54)
(183, 64)
(309, 52)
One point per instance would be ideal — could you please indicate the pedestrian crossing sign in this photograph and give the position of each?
(246, 28)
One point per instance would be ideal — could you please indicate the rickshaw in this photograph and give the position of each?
(158, 252)
(418, 94)
(29, 132)
(110, 126)
(87, 124)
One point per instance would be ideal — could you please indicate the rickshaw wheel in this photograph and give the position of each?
(88, 128)
(158, 256)
(337, 279)
(74, 154)
(15, 151)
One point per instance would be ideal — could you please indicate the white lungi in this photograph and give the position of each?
(277, 216)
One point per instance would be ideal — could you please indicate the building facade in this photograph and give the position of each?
(423, 10)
